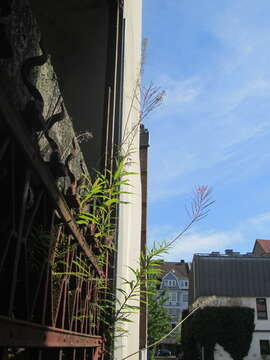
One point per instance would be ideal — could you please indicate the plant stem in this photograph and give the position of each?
(163, 337)
(126, 300)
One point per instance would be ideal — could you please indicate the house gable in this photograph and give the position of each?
(261, 247)
(170, 281)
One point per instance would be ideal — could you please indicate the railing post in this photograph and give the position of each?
(98, 353)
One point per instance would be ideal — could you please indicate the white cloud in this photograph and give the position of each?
(256, 87)
(260, 223)
(201, 126)
(221, 153)
(178, 92)
(159, 232)
(203, 243)
(240, 238)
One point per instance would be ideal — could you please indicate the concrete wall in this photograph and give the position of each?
(130, 214)
(24, 32)
(76, 37)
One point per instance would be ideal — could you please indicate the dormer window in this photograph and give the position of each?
(184, 284)
(169, 283)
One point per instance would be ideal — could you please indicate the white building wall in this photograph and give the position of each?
(254, 351)
(260, 325)
(130, 214)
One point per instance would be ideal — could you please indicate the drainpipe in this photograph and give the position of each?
(144, 144)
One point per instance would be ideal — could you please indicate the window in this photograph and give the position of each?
(184, 284)
(261, 309)
(172, 298)
(173, 314)
(185, 297)
(264, 347)
(170, 283)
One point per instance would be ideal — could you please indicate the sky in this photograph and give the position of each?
(213, 60)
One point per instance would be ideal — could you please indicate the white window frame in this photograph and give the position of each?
(170, 298)
(185, 296)
(184, 284)
(169, 283)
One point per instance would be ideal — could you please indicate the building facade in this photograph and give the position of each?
(69, 73)
(176, 283)
(235, 280)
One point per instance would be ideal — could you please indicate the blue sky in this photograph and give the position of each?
(213, 60)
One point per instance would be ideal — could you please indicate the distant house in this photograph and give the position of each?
(176, 282)
(236, 280)
(261, 247)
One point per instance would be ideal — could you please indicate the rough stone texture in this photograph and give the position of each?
(24, 36)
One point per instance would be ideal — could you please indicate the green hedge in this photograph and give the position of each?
(230, 327)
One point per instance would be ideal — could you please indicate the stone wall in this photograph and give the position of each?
(22, 34)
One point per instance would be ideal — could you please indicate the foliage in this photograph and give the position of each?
(230, 327)
(99, 197)
(148, 272)
(115, 309)
(126, 300)
(158, 318)
(187, 339)
(197, 210)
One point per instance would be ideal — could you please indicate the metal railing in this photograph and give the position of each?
(49, 309)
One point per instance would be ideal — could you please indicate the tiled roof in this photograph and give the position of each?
(265, 245)
(178, 268)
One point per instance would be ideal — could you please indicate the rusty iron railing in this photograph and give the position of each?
(49, 307)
